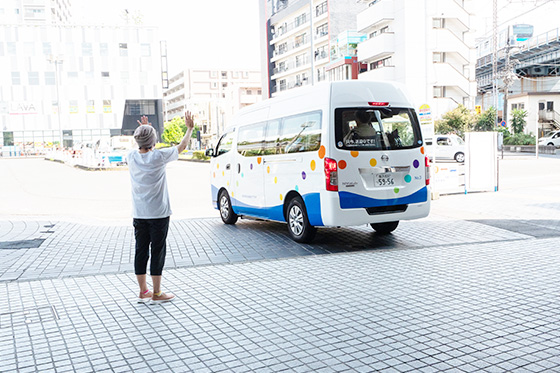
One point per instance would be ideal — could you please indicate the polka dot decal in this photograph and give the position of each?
(396, 190)
(218, 166)
(354, 154)
(322, 152)
(281, 197)
(313, 165)
(214, 174)
(408, 178)
(268, 169)
(223, 173)
(259, 160)
(242, 174)
(227, 183)
(342, 164)
(275, 180)
(416, 164)
(303, 175)
(231, 194)
(373, 162)
(297, 188)
(422, 150)
(237, 183)
(251, 166)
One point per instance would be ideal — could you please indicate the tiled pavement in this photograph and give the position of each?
(68, 249)
(491, 307)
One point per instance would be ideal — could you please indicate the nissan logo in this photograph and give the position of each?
(384, 158)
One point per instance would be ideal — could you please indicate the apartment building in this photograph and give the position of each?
(296, 44)
(77, 82)
(213, 96)
(35, 11)
(425, 44)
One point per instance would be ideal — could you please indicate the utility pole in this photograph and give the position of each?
(312, 36)
(495, 57)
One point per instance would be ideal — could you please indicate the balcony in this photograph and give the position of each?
(376, 14)
(447, 75)
(287, 29)
(452, 10)
(382, 73)
(377, 47)
(447, 41)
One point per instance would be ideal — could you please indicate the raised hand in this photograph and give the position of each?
(144, 121)
(189, 120)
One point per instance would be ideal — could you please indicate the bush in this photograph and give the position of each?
(520, 139)
(486, 121)
(518, 121)
(456, 121)
(199, 154)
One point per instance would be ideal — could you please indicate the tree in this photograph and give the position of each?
(174, 130)
(486, 121)
(518, 122)
(456, 121)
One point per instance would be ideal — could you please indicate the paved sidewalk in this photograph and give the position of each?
(490, 307)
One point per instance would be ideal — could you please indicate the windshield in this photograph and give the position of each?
(376, 129)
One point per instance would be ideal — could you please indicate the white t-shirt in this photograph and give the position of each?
(150, 199)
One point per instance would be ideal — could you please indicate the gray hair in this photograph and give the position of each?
(145, 136)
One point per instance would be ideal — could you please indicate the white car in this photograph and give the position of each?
(449, 147)
(553, 138)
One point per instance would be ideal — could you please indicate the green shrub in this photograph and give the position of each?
(199, 154)
(520, 139)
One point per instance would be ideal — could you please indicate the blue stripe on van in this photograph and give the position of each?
(312, 203)
(353, 201)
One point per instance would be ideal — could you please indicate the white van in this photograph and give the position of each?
(334, 154)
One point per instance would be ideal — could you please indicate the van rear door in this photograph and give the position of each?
(380, 158)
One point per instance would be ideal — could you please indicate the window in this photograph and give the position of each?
(145, 50)
(140, 107)
(521, 106)
(438, 23)
(272, 138)
(444, 141)
(384, 30)
(384, 62)
(213, 74)
(214, 85)
(300, 40)
(513, 106)
(438, 57)
(33, 78)
(72, 75)
(16, 78)
(321, 9)
(439, 91)
(73, 107)
(322, 30)
(90, 108)
(250, 141)
(123, 49)
(104, 74)
(107, 107)
(300, 20)
(373, 34)
(103, 49)
(301, 133)
(224, 74)
(249, 92)
(225, 143)
(224, 85)
(50, 78)
(549, 105)
(376, 129)
(11, 47)
(87, 49)
(47, 49)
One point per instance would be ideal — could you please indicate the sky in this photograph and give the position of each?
(225, 33)
(199, 33)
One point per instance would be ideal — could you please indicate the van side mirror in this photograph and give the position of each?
(209, 152)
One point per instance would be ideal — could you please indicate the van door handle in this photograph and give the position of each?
(228, 166)
(238, 168)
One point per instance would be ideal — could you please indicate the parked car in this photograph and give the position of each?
(446, 147)
(552, 138)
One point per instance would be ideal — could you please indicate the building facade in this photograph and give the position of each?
(298, 38)
(213, 96)
(425, 44)
(77, 82)
(52, 12)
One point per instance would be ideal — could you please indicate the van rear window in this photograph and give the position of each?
(377, 129)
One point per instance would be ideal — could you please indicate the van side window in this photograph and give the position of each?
(272, 138)
(225, 143)
(301, 133)
(251, 139)
(444, 141)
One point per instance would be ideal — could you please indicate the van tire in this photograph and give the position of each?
(385, 228)
(298, 224)
(460, 157)
(226, 211)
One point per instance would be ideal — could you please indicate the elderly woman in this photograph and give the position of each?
(150, 205)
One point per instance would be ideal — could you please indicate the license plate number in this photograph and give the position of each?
(382, 180)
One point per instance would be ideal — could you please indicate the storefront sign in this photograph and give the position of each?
(19, 108)
(426, 121)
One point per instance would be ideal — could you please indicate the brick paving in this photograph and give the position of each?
(463, 308)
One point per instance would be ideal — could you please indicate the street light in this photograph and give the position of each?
(57, 59)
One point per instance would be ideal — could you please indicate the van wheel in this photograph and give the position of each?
(298, 223)
(385, 228)
(550, 144)
(226, 212)
(460, 157)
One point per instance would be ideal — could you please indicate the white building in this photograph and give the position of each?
(296, 44)
(212, 95)
(425, 44)
(35, 11)
(83, 81)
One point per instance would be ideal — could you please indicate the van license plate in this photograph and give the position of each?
(382, 180)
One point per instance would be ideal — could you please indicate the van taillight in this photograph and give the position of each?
(427, 171)
(331, 174)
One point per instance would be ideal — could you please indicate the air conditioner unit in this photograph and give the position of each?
(538, 71)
